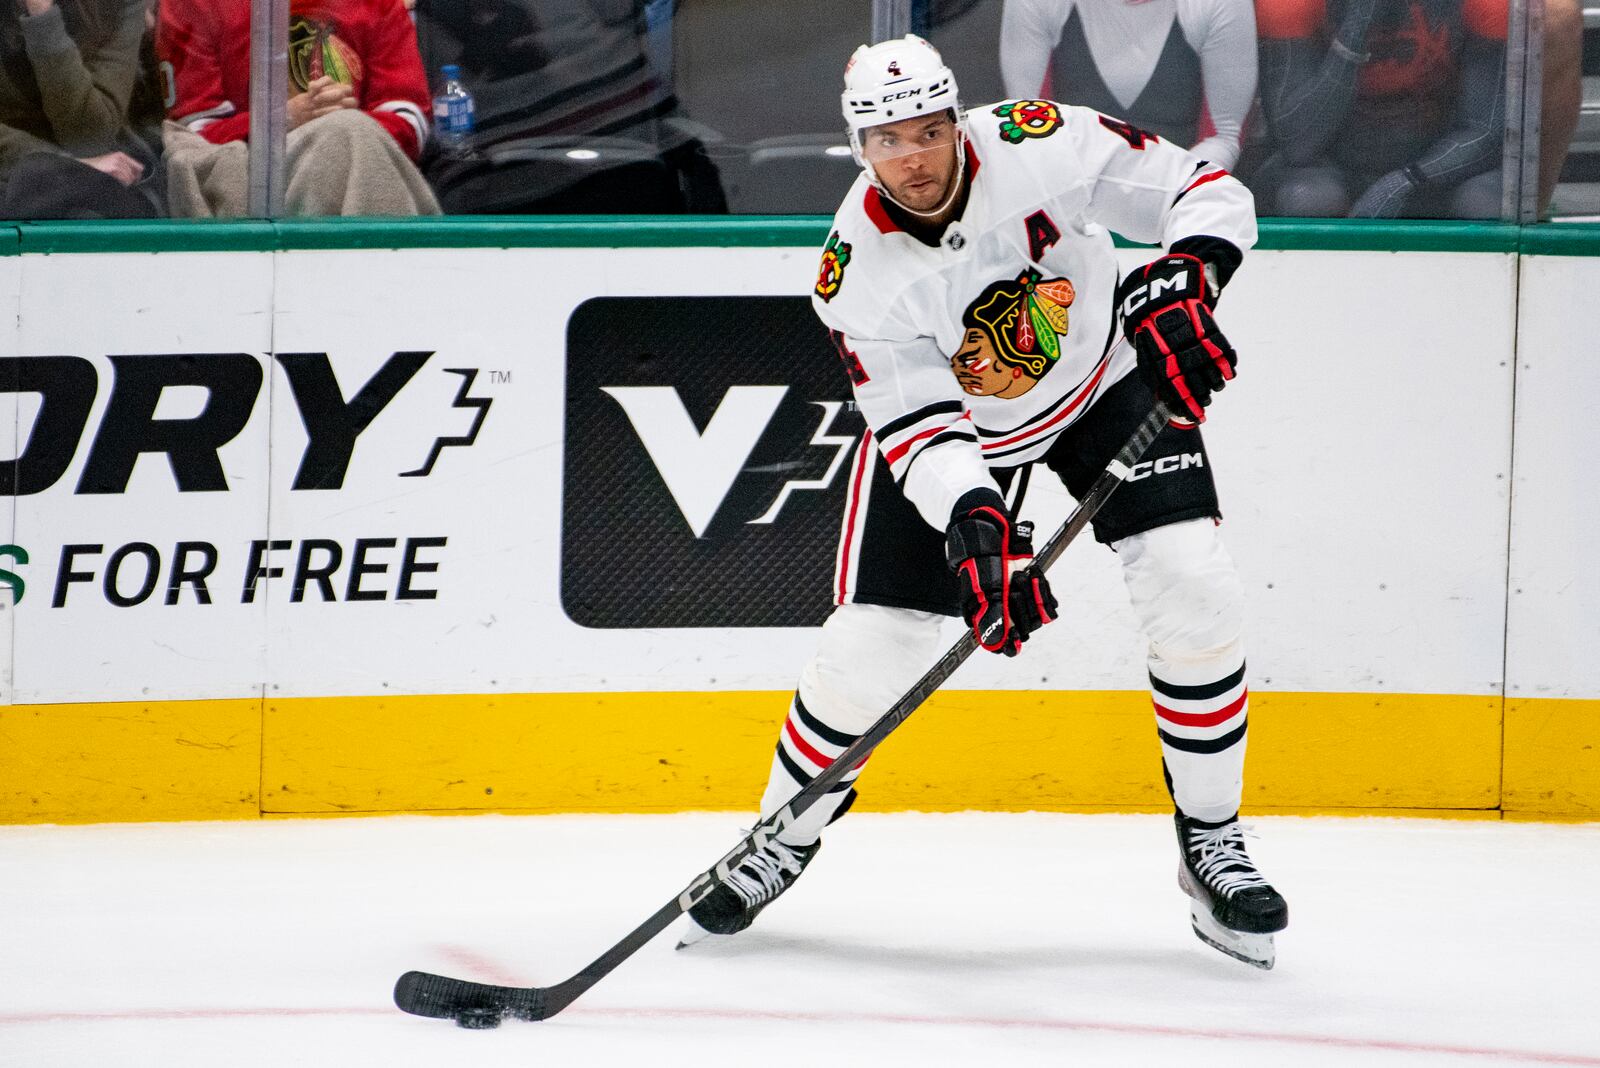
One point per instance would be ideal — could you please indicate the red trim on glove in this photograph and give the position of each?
(1005, 583)
(1218, 358)
(1038, 599)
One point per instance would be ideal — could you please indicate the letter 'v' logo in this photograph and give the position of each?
(698, 468)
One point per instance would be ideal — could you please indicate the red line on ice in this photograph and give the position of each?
(997, 1023)
(1137, 1030)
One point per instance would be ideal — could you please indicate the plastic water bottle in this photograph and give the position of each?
(454, 113)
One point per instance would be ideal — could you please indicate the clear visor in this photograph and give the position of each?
(896, 140)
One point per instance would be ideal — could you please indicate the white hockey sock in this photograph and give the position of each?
(1203, 724)
(1183, 586)
(869, 655)
(805, 747)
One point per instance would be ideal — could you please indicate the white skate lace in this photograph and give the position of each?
(759, 877)
(1219, 858)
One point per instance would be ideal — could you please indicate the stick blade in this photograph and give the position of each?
(440, 997)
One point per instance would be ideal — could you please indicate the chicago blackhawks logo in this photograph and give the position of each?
(835, 256)
(1013, 335)
(1021, 119)
(316, 51)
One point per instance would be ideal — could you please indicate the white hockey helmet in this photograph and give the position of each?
(895, 80)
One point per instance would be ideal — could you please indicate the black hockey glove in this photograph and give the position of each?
(1003, 596)
(1166, 313)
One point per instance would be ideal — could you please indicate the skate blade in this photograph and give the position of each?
(1256, 950)
(691, 933)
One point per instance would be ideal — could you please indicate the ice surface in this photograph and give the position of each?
(966, 939)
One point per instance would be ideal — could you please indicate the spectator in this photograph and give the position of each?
(357, 112)
(1383, 108)
(1563, 91)
(490, 40)
(68, 70)
(573, 111)
(1183, 69)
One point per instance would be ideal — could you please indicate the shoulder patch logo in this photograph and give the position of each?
(1013, 335)
(1022, 119)
(835, 256)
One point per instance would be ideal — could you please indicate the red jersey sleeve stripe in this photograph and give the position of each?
(1203, 179)
(894, 454)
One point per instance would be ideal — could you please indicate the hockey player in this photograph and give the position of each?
(972, 291)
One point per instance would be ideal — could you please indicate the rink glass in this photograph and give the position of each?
(690, 107)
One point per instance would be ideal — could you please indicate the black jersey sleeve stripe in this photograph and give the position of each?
(1031, 445)
(1204, 745)
(1197, 693)
(819, 728)
(1026, 423)
(804, 777)
(894, 426)
(963, 434)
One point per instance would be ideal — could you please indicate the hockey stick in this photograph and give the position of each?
(483, 1004)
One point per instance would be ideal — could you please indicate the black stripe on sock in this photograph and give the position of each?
(1204, 745)
(1197, 693)
(819, 728)
(849, 800)
(804, 779)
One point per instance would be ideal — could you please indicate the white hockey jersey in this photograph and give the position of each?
(979, 352)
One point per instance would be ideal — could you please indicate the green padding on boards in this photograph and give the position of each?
(688, 231)
(147, 235)
(1561, 239)
(1371, 235)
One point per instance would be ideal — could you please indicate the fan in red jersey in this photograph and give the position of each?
(357, 108)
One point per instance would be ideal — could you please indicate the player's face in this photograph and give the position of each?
(915, 159)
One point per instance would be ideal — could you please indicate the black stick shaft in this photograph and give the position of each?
(432, 995)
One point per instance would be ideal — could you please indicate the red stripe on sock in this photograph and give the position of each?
(809, 751)
(1202, 719)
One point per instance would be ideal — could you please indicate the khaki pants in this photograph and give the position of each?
(344, 163)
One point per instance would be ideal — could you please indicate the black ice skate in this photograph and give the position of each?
(1235, 910)
(751, 887)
